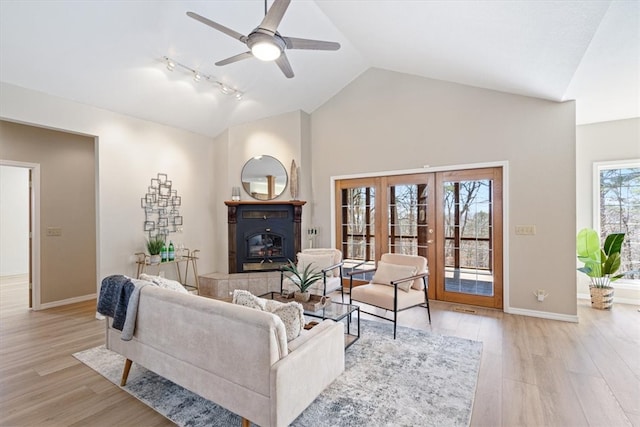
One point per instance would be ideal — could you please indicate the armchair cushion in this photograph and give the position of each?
(318, 261)
(417, 261)
(387, 273)
(337, 256)
(382, 296)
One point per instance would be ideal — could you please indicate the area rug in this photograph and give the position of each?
(420, 378)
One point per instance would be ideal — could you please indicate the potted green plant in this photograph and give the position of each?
(303, 280)
(154, 246)
(600, 264)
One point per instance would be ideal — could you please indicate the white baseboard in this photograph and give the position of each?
(67, 301)
(544, 315)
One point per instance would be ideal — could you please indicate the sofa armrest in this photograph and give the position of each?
(298, 378)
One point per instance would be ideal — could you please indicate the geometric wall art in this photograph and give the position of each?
(161, 206)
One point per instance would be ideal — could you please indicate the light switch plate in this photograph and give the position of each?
(525, 230)
(54, 231)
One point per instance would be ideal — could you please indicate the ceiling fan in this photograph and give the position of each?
(264, 42)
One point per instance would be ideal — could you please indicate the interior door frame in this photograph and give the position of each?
(504, 164)
(34, 255)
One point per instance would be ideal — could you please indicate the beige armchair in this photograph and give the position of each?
(399, 282)
(326, 260)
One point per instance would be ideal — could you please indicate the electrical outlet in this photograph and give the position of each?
(541, 294)
(54, 231)
(525, 230)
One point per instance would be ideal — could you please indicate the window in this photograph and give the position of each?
(617, 210)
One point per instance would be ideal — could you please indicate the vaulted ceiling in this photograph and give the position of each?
(109, 54)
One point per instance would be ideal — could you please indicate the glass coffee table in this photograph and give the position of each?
(336, 311)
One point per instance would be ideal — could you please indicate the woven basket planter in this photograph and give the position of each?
(601, 298)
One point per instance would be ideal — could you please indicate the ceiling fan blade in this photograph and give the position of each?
(274, 15)
(235, 58)
(295, 43)
(228, 31)
(284, 65)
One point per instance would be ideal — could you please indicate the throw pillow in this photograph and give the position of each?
(246, 298)
(319, 262)
(163, 282)
(292, 315)
(386, 273)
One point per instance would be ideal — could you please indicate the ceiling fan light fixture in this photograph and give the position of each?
(266, 51)
(170, 65)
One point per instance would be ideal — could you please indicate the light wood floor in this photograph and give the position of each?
(534, 372)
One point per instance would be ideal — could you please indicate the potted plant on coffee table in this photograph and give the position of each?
(600, 264)
(154, 246)
(303, 280)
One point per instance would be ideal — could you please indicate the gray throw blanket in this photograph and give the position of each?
(118, 299)
(115, 292)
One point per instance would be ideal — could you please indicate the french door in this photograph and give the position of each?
(453, 218)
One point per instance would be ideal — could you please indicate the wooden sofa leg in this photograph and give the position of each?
(246, 422)
(125, 373)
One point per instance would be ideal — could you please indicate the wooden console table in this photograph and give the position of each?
(187, 256)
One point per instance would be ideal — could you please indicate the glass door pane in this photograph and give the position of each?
(357, 222)
(407, 232)
(468, 237)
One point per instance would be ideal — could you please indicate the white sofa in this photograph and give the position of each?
(235, 356)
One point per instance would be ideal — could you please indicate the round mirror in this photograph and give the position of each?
(264, 177)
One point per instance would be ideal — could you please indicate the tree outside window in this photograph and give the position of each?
(619, 209)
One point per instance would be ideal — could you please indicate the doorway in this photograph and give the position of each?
(17, 222)
(452, 218)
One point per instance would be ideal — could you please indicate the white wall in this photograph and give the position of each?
(387, 121)
(14, 221)
(598, 142)
(283, 137)
(130, 153)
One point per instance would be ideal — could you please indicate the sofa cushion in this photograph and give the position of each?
(386, 273)
(291, 314)
(163, 282)
(318, 261)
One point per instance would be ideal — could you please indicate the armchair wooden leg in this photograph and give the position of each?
(246, 422)
(125, 373)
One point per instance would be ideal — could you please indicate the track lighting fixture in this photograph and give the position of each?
(198, 77)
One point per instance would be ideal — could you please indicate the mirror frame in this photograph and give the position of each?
(258, 170)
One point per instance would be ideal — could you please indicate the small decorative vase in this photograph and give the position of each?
(601, 298)
(302, 296)
(154, 259)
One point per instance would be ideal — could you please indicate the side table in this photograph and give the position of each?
(187, 256)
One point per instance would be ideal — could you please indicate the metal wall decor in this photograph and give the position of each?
(161, 206)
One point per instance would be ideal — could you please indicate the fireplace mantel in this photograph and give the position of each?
(250, 223)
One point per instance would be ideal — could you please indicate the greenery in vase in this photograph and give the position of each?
(303, 280)
(154, 245)
(600, 263)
